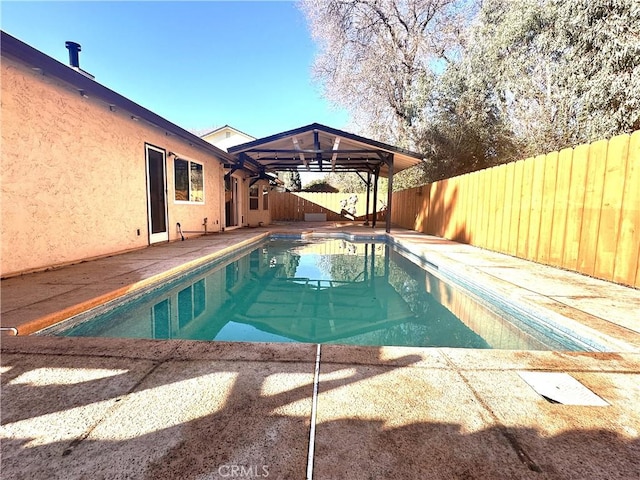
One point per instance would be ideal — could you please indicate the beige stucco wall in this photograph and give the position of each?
(255, 217)
(191, 215)
(73, 175)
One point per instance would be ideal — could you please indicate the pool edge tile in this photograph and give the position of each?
(420, 357)
(134, 348)
(244, 351)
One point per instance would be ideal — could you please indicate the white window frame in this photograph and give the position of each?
(256, 197)
(189, 162)
(265, 196)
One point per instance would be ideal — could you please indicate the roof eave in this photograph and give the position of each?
(333, 131)
(215, 130)
(24, 53)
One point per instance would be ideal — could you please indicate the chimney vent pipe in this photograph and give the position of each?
(74, 50)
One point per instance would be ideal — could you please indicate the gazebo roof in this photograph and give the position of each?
(318, 148)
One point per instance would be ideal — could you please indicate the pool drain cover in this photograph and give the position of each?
(561, 388)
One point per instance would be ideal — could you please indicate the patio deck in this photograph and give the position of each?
(122, 408)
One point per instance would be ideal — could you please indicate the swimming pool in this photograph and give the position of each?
(332, 290)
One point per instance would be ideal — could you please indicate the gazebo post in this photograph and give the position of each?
(376, 173)
(366, 217)
(389, 191)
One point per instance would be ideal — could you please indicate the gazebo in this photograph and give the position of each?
(318, 148)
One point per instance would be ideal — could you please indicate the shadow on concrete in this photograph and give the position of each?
(191, 417)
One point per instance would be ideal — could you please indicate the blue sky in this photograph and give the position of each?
(198, 64)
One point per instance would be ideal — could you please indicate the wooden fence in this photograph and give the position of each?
(577, 209)
(292, 206)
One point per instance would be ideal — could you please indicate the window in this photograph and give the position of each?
(185, 307)
(192, 302)
(265, 197)
(253, 198)
(199, 298)
(161, 314)
(189, 181)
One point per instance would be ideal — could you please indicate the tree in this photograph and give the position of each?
(349, 182)
(291, 180)
(379, 58)
(320, 186)
(563, 72)
(466, 129)
(601, 41)
(385, 61)
(346, 182)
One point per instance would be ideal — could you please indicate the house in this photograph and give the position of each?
(246, 201)
(227, 136)
(87, 172)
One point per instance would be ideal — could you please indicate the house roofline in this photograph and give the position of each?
(226, 126)
(334, 131)
(24, 53)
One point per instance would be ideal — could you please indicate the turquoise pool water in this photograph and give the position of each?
(318, 291)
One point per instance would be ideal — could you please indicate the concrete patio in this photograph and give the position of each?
(123, 408)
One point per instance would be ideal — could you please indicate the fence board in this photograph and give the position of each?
(498, 198)
(408, 213)
(561, 207)
(434, 206)
(471, 223)
(465, 191)
(397, 213)
(575, 213)
(613, 190)
(451, 199)
(471, 201)
(426, 206)
(536, 206)
(548, 202)
(409, 201)
(487, 221)
(412, 215)
(437, 227)
(518, 170)
(422, 205)
(401, 220)
(500, 206)
(449, 209)
(592, 207)
(492, 207)
(507, 206)
(484, 191)
(626, 269)
(525, 208)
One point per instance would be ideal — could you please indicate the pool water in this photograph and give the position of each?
(318, 291)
